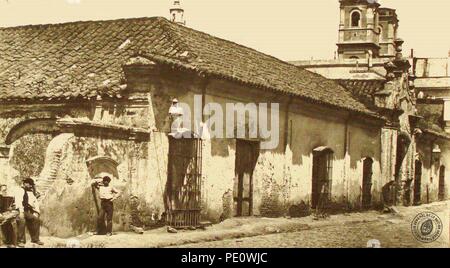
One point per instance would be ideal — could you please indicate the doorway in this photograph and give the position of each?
(183, 188)
(442, 195)
(417, 183)
(367, 183)
(247, 153)
(321, 176)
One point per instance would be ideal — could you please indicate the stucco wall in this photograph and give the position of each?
(431, 170)
(282, 177)
(69, 208)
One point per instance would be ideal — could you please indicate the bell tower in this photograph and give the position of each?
(177, 13)
(359, 29)
(388, 31)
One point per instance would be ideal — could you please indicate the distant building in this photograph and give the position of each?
(366, 31)
(409, 92)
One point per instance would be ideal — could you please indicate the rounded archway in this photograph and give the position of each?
(28, 141)
(32, 126)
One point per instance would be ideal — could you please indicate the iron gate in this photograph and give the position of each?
(184, 182)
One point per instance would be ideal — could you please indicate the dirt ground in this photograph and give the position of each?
(348, 230)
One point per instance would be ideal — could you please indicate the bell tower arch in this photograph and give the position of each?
(358, 29)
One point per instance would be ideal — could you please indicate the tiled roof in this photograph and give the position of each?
(363, 90)
(432, 117)
(84, 59)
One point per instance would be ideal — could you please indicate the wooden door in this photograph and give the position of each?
(247, 153)
(417, 183)
(367, 183)
(321, 177)
(442, 196)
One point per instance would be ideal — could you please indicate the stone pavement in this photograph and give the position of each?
(348, 230)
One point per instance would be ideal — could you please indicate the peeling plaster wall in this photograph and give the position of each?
(365, 142)
(430, 170)
(282, 177)
(28, 155)
(445, 161)
(428, 179)
(68, 208)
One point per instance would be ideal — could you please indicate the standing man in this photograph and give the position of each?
(8, 215)
(107, 195)
(29, 213)
(388, 192)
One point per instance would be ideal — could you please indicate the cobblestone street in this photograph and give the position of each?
(392, 231)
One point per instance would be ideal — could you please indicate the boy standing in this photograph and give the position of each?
(8, 215)
(107, 195)
(29, 213)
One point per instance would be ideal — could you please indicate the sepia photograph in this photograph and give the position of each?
(208, 124)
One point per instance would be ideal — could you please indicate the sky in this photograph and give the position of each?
(287, 29)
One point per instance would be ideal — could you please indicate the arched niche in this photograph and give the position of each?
(101, 166)
(355, 18)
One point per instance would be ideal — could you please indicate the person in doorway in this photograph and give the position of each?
(136, 223)
(8, 215)
(388, 192)
(107, 195)
(408, 190)
(29, 213)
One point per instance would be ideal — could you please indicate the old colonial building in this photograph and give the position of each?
(86, 98)
(372, 67)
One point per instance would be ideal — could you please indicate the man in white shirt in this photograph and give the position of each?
(107, 195)
(29, 213)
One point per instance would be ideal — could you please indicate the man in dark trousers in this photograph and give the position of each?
(29, 213)
(107, 195)
(8, 215)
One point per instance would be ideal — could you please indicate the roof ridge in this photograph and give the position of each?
(230, 42)
(61, 24)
